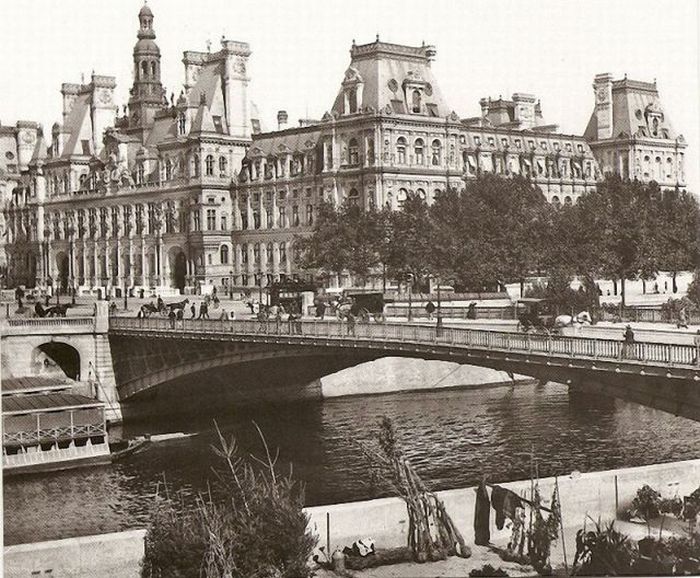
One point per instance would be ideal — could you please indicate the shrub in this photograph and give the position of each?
(646, 503)
(603, 551)
(693, 294)
(258, 529)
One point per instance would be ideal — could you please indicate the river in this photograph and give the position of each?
(453, 437)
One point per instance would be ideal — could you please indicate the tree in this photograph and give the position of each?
(676, 232)
(615, 231)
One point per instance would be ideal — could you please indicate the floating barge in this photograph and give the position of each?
(47, 427)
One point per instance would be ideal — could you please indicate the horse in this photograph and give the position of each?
(146, 310)
(583, 318)
(57, 310)
(179, 306)
(39, 311)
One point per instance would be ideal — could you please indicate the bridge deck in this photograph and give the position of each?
(333, 332)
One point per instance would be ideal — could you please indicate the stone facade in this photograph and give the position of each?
(188, 193)
(631, 135)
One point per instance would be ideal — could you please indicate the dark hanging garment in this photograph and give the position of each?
(498, 498)
(482, 514)
(504, 503)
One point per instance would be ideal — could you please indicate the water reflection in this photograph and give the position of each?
(452, 436)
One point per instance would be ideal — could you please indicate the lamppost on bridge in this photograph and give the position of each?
(230, 284)
(409, 281)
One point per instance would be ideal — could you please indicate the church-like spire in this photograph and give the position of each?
(147, 93)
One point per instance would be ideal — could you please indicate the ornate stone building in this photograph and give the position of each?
(631, 135)
(389, 133)
(187, 192)
(140, 199)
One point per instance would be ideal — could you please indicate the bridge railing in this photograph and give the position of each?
(20, 326)
(583, 347)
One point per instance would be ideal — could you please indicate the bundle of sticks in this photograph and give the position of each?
(432, 534)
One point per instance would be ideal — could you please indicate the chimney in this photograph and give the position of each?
(602, 87)
(525, 109)
(282, 118)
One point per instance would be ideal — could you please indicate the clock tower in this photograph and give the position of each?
(602, 86)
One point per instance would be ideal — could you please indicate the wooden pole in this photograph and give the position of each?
(561, 525)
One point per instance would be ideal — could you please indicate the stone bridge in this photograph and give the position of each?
(128, 359)
(152, 352)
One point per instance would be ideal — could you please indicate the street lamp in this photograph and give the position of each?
(230, 284)
(409, 279)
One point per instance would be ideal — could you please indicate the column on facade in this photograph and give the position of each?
(237, 217)
(132, 231)
(263, 213)
(290, 255)
(95, 280)
(249, 212)
(238, 259)
(251, 263)
(276, 259)
(275, 210)
(108, 262)
(119, 249)
(263, 260)
(144, 261)
(83, 260)
(164, 261)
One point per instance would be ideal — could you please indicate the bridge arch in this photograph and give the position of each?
(56, 357)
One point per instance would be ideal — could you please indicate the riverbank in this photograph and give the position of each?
(600, 495)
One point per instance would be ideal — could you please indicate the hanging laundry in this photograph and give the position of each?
(482, 514)
(504, 502)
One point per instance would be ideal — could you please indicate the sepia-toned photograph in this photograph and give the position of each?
(327, 289)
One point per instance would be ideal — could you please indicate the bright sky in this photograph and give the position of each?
(551, 48)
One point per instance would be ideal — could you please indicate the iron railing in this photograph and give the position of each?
(333, 330)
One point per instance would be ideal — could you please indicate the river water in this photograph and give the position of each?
(453, 437)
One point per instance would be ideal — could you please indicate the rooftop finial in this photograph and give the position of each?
(377, 40)
(208, 45)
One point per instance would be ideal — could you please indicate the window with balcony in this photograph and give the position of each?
(401, 150)
(436, 158)
(418, 151)
(353, 152)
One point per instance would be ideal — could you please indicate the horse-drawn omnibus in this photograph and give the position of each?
(364, 305)
(289, 294)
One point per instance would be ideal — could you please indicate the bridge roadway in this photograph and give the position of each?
(662, 375)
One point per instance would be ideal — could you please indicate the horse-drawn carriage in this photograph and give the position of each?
(542, 316)
(162, 309)
(363, 305)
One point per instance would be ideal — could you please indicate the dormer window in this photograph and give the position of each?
(416, 101)
(352, 100)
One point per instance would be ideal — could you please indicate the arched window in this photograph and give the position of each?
(401, 196)
(256, 253)
(222, 166)
(555, 201)
(153, 68)
(401, 150)
(415, 101)
(669, 168)
(168, 169)
(140, 173)
(195, 165)
(209, 166)
(370, 151)
(436, 157)
(353, 197)
(659, 169)
(352, 100)
(244, 253)
(420, 193)
(144, 69)
(418, 150)
(268, 253)
(283, 252)
(181, 124)
(567, 200)
(353, 152)
(224, 254)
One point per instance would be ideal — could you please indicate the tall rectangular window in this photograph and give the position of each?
(197, 225)
(211, 219)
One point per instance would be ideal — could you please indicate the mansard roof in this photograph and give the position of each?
(634, 105)
(385, 70)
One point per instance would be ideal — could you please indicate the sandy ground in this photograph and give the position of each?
(452, 567)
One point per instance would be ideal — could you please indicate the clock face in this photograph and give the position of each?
(105, 97)
(602, 95)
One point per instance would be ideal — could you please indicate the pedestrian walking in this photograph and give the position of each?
(682, 319)
(696, 342)
(430, 309)
(203, 310)
(321, 309)
(172, 316)
(628, 343)
(351, 324)
(193, 310)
